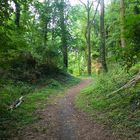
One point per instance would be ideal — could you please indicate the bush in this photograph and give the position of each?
(121, 110)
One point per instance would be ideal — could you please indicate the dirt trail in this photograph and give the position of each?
(61, 121)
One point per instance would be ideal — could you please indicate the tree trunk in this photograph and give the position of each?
(17, 14)
(102, 36)
(88, 40)
(63, 36)
(46, 32)
(122, 15)
(87, 34)
(47, 19)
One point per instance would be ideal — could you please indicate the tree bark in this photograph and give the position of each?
(102, 36)
(47, 19)
(87, 34)
(63, 36)
(46, 32)
(88, 39)
(17, 14)
(122, 15)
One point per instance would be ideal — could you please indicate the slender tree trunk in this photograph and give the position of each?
(53, 30)
(102, 36)
(122, 15)
(88, 41)
(47, 2)
(46, 32)
(63, 36)
(79, 64)
(88, 7)
(17, 14)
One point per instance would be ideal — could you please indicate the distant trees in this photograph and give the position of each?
(88, 7)
(50, 31)
(90, 21)
(42, 31)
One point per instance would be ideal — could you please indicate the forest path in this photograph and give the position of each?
(60, 120)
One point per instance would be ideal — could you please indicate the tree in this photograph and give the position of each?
(122, 15)
(88, 36)
(102, 38)
(63, 35)
(17, 14)
(88, 7)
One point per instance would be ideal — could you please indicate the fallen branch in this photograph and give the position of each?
(130, 83)
(16, 103)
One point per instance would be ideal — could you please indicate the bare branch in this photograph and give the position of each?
(83, 4)
(95, 12)
(90, 6)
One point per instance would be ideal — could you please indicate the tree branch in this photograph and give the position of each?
(90, 6)
(130, 83)
(83, 4)
(95, 12)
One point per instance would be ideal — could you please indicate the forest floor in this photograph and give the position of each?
(60, 120)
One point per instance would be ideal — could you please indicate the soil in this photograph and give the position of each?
(60, 120)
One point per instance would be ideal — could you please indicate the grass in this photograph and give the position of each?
(35, 98)
(121, 111)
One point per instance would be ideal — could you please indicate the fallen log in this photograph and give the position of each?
(132, 82)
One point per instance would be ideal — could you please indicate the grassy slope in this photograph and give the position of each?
(33, 100)
(121, 111)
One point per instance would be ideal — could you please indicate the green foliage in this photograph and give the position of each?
(129, 55)
(132, 52)
(32, 52)
(33, 36)
(35, 97)
(135, 68)
(120, 110)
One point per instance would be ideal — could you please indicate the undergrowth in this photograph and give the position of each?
(35, 97)
(120, 111)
